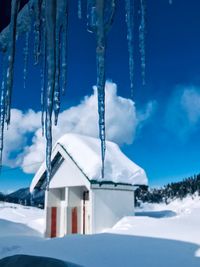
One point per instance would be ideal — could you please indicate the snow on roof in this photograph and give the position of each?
(86, 153)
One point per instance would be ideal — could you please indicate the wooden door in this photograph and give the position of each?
(74, 220)
(53, 221)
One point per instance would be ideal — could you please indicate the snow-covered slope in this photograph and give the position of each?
(20, 220)
(34, 261)
(178, 220)
(159, 236)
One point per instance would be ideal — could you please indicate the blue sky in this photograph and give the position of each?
(167, 145)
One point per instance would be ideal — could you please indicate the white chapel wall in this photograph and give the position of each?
(109, 206)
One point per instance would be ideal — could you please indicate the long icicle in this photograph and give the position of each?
(100, 56)
(64, 47)
(43, 86)
(142, 33)
(129, 9)
(59, 24)
(26, 47)
(44, 63)
(109, 12)
(105, 11)
(51, 72)
(26, 50)
(91, 16)
(42, 100)
(11, 57)
(100, 15)
(79, 9)
(37, 30)
(2, 112)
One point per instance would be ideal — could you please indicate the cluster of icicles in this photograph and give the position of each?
(50, 23)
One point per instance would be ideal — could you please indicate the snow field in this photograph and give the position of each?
(159, 235)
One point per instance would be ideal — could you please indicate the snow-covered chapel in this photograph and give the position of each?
(78, 200)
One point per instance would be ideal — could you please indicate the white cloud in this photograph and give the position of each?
(16, 137)
(183, 111)
(24, 139)
(190, 102)
(144, 115)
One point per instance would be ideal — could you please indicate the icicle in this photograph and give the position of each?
(64, 47)
(30, 8)
(79, 9)
(109, 13)
(42, 103)
(37, 30)
(95, 24)
(43, 69)
(2, 112)
(142, 32)
(100, 54)
(91, 16)
(26, 47)
(99, 20)
(26, 50)
(11, 56)
(51, 72)
(103, 22)
(59, 23)
(43, 86)
(129, 8)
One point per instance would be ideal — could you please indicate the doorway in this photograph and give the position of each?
(77, 210)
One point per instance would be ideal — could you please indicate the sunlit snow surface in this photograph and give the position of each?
(159, 235)
(21, 220)
(178, 220)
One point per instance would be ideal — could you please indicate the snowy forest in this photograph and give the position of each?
(176, 190)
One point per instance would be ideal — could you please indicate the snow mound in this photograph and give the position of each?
(28, 220)
(32, 261)
(15, 229)
(86, 152)
(178, 220)
(108, 250)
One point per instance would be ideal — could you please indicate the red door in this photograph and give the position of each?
(53, 221)
(74, 221)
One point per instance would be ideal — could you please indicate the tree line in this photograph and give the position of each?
(169, 192)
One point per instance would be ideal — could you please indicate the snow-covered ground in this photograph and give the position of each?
(20, 220)
(179, 220)
(159, 235)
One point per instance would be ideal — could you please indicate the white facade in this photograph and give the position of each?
(109, 205)
(75, 203)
